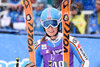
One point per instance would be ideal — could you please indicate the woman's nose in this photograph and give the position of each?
(50, 27)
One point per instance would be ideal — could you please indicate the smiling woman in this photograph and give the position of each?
(50, 20)
(50, 47)
(51, 32)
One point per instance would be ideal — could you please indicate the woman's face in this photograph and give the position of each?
(51, 31)
(73, 12)
(98, 5)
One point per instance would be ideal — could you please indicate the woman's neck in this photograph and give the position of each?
(53, 37)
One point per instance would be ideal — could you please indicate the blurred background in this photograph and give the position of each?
(84, 25)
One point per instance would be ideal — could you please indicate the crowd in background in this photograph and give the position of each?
(12, 17)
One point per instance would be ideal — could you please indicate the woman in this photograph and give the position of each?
(49, 48)
(78, 23)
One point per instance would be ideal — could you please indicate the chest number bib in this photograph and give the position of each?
(56, 64)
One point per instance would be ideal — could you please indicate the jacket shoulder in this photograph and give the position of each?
(37, 43)
(73, 40)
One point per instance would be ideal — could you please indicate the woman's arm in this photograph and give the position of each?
(79, 52)
(38, 57)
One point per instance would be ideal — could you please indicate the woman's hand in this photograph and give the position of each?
(30, 65)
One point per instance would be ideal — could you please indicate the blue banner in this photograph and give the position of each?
(88, 4)
(14, 1)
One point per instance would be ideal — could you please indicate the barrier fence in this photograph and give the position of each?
(14, 46)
